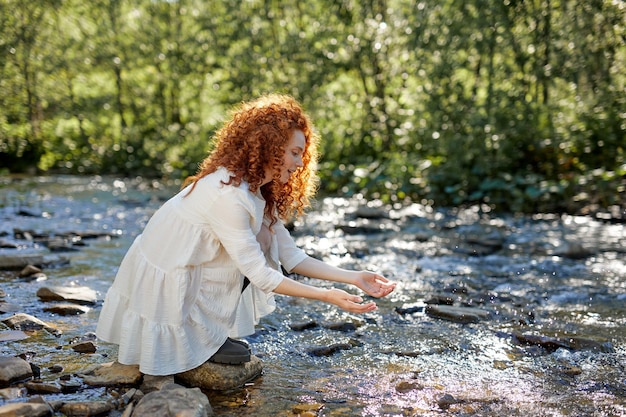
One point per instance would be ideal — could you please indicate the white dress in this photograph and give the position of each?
(176, 296)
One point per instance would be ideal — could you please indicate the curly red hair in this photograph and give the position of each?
(254, 138)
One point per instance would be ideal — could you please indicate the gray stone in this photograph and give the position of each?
(111, 374)
(67, 309)
(174, 401)
(26, 322)
(86, 408)
(13, 370)
(218, 377)
(25, 410)
(79, 295)
(457, 314)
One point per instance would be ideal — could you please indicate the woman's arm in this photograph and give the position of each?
(371, 283)
(340, 298)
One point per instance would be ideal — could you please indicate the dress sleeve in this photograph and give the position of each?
(230, 217)
(289, 254)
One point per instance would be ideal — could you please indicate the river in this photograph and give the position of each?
(552, 341)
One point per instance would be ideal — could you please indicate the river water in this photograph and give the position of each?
(556, 277)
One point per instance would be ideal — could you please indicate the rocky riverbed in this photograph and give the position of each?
(494, 314)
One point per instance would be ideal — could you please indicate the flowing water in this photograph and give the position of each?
(557, 277)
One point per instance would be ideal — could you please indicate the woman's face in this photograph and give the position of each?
(292, 159)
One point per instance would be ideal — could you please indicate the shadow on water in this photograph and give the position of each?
(549, 293)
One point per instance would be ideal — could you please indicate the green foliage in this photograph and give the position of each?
(518, 105)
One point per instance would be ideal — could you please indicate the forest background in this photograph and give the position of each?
(517, 105)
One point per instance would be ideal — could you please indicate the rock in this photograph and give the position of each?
(26, 322)
(440, 299)
(20, 261)
(329, 350)
(5, 244)
(67, 309)
(410, 309)
(29, 270)
(551, 343)
(371, 212)
(573, 251)
(446, 400)
(457, 314)
(365, 229)
(174, 401)
(406, 386)
(12, 335)
(112, 374)
(304, 325)
(155, 383)
(219, 377)
(69, 386)
(342, 326)
(84, 347)
(13, 370)
(9, 307)
(12, 393)
(39, 387)
(312, 408)
(86, 408)
(79, 295)
(26, 410)
(55, 369)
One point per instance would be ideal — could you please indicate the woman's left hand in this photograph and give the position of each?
(373, 284)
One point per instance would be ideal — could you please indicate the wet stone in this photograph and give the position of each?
(446, 400)
(440, 299)
(174, 400)
(303, 325)
(312, 408)
(551, 343)
(410, 309)
(12, 335)
(55, 369)
(342, 326)
(29, 270)
(86, 408)
(26, 322)
(5, 244)
(154, 383)
(111, 374)
(13, 393)
(26, 410)
(406, 386)
(461, 315)
(84, 347)
(66, 309)
(13, 370)
(9, 307)
(219, 377)
(79, 295)
(329, 350)
(39, 387)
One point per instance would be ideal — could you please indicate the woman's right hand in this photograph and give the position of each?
(349, 302)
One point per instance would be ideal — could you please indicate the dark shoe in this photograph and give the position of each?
(231, 353)
(242, 343)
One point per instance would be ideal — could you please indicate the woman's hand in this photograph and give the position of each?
(349, 302)
(373, 284)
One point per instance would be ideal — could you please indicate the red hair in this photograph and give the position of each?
(253, 139)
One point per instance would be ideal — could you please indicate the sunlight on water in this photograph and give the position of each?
(397, 364)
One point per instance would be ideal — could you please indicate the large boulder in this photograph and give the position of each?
(172, 401)
(218, 377)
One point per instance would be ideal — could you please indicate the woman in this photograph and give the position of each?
(180, 293)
